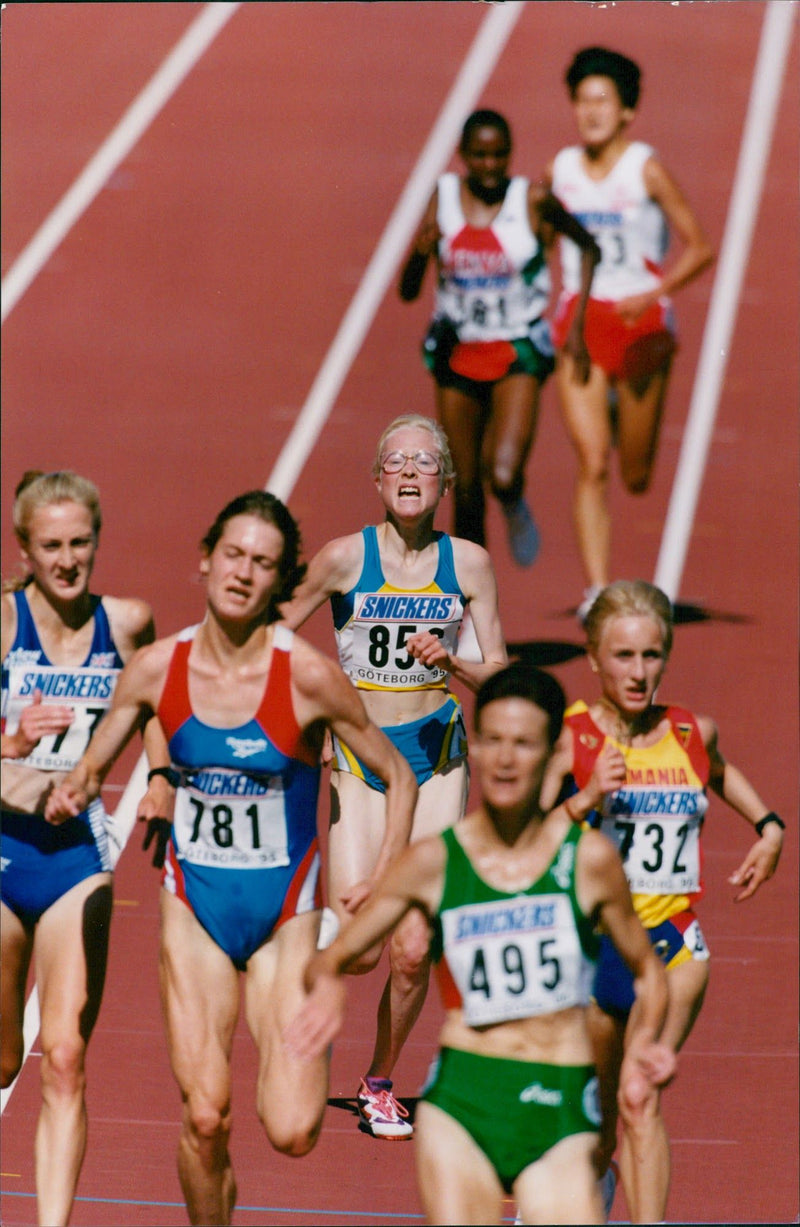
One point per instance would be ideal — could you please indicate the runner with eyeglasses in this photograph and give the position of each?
(398, 593)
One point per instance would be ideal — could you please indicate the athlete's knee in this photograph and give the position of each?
(504, 472)
(637, 1099)
(208, 1122)
(63, 1068)
(292, 1137)
(409, 950)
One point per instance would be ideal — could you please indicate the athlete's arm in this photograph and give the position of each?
(424, 246)
(322, 692)
(135, 699)
(414, 880)
(477, 579)
(603, 889)
(729, 783)
(553, 218)
(696, 254)
(333, 569)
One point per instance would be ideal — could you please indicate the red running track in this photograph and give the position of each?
(166, 349)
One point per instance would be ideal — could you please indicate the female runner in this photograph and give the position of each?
(398, 593)
(655, 819)
(243, 704)
(488, 346)
(621, 192)
(62, 650)
(511, 895)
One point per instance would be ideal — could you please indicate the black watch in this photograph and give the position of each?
(770, 817)
(170, 775)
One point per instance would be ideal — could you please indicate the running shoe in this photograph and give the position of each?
(381, 1114)
(590, 595)
(523, 535)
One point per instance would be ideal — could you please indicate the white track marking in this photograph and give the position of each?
(753, 154)
(141, 113)
(475, 72)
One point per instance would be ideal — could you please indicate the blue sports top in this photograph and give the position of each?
(87, 688)
(247, 797)
(374, 619)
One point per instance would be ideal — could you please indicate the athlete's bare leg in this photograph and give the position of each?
(644, 1152)
(509, 436)
(561, 1186)
(200, 1000)
(17, 946)
(464, 422)
(584, 408)
(457, 1183)
(71, 952)
(442, 801)
(639, 414)
(291, 1094)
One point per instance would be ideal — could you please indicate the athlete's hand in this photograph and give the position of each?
(65, 801)
(318, 1021)
(37, 720)
(356, 896)
(633, 308)
(429, 650)
(575, 346)
(647, 1064)
(155, 808)
(427, 239)
(609, 770)
(759, 864)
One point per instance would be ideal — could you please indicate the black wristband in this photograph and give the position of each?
(770, 817)
(168, 773)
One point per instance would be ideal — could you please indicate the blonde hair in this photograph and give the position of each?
(38, 489)
(630, 598)
(417, 421)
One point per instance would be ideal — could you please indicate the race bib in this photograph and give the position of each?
(88, 691)
(229, 820)
(515, 958)
(383, 622)
(661, 855)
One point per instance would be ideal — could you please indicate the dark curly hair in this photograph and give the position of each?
(600, 62)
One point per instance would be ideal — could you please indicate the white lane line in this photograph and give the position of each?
(762, 108)
(475, 72)
(141, 113)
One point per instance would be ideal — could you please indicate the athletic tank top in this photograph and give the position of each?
(373, 621)
(502, 956)
(247, 795)
(629, 226)
(655, 819)
(494, 281)
(86, 688)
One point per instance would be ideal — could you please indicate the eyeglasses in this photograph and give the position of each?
(424, 462)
